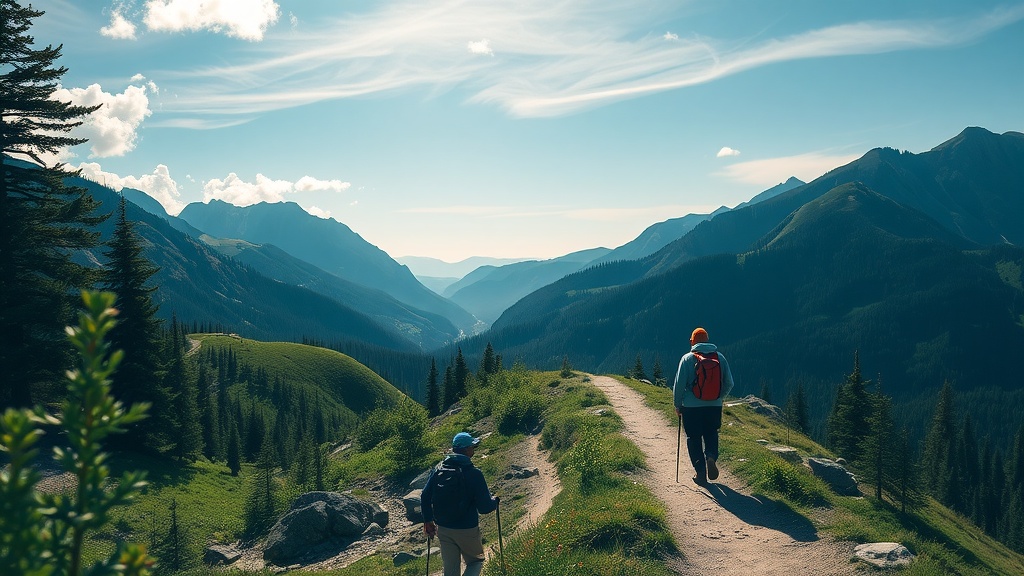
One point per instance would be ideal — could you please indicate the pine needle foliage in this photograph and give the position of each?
(43, 535)
(42, 221)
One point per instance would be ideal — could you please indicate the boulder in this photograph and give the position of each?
(787, 453)
(839, 479)
(520, 472)
(316, 517)
(401, 558)
(883, 554)
(373, 529)
(761, 407)
(220, 554)
(413, 510)
(420, 481)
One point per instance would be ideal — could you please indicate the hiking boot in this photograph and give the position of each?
(700, 479)
(712, 469)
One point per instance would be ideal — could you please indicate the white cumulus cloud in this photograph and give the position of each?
(120, 28)
(726, 151)
(319, 212)
(241, 193)
(159, 184)
(245, 19)
(480, 47)
(112, 129)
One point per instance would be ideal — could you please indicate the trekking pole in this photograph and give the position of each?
(679, 442)
(428, 554)
(501, 545)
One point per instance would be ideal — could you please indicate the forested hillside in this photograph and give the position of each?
(853, 270)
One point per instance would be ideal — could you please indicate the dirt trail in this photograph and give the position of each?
(721, 529)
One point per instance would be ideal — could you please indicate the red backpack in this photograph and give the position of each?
(707, 383)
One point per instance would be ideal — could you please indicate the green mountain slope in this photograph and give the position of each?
(850, 271)
(428, 330)
(200, 285)
(345, 380)
(489, 291)
(327, 244)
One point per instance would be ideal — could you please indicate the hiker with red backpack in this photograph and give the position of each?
(702, 381)
(454, 496)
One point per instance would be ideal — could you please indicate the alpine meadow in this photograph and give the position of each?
(588, 288)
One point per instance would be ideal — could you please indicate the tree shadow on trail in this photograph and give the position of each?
(765, 512)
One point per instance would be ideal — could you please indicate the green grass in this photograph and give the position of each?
(209, 500)
(945, 543)
(343, 378)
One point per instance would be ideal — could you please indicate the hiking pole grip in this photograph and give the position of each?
(679, 442)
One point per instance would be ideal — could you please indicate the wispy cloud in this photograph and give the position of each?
(554, 59)
(771, 171)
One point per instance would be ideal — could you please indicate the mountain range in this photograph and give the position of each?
(912, 260)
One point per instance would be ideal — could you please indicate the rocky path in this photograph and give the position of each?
(722, 529)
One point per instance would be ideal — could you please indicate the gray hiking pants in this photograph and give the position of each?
(458, 545)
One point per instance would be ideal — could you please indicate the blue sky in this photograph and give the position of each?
(531, 128)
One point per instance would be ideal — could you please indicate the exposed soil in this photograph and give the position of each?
(721, 529)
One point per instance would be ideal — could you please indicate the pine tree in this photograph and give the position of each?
(797, 411)
(42, 221)
(938, 459)
(656, 373)
(408, 446)
(450, 397)
(461, 376)
(638, 369)
(261, 501)
(766, 392)
(140, 378)
(488, 364)
(433, 392)
(847, 424)
(566, 368)
(877, 457)
(908, 474)
(234, 451)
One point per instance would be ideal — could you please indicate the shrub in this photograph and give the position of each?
(374, 429)
(779, 476)
(43, 534)
(518, 411)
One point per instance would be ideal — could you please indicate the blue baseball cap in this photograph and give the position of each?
(464, 440)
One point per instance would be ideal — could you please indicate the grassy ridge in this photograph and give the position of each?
(345, 379)
(945, 543)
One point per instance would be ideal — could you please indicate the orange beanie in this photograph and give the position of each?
(699, 335)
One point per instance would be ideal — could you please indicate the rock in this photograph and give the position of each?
(401, 558)
(413, 510)
(220, 554)
(884, 554)
(761, 407)
(373, 529)
(420, 481)
(787, 453)
(520, 472)
(315, 517)
(839, 479)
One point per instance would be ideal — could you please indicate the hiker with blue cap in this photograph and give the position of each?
(452, 500)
